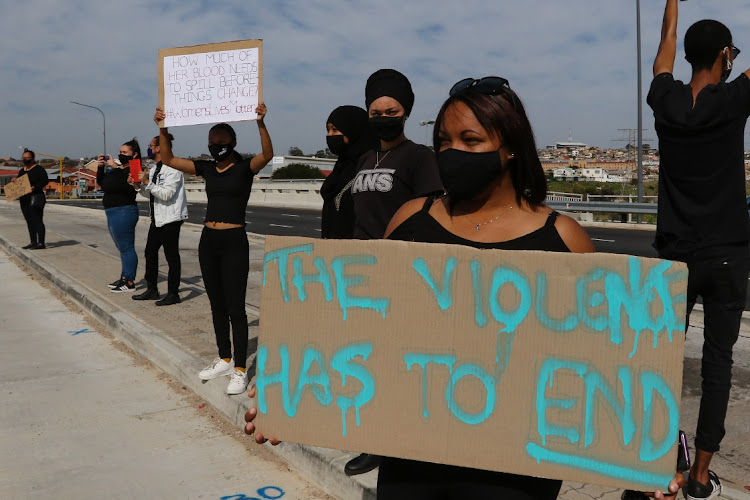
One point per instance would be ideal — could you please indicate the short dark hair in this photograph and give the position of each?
(27, 150)
(133, 143)
(703, 42)
(224, 127)
(504, 115)
(170, 138)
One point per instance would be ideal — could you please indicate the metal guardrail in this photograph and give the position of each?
(604, 206)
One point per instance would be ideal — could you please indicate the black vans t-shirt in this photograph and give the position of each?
(405, 172)
(227, 191)
(702, 173)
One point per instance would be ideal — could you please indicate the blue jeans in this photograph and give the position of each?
(121, 222)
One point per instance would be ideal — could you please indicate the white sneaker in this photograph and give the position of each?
(237, 383)
(218, 368)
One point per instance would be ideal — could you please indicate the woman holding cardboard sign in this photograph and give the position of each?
(32, 204)
(121, 209)
(223, 251)
(496, 189)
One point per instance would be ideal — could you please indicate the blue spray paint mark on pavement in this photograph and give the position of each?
(76, 332)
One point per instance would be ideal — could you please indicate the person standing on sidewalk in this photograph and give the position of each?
(165, 188)
(388, 176)
(32, 204)
(348, 136)
(702, 213)
(223, 251)
(122, 211)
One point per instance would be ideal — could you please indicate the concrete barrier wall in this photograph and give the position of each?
(290, 194)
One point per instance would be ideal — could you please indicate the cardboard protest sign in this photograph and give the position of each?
(546, 364)
(14, 190)
(218, 82)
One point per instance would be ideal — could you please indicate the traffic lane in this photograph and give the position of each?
(260, 220)
(622, 241)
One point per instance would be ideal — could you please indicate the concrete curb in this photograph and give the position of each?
(324, 466)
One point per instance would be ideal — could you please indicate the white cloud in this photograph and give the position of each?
(572, 62)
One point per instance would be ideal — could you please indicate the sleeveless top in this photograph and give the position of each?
(422, 227)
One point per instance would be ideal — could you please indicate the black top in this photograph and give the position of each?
(406, 172)
(702, 173)
(337, 217)
(424, 228)
(114, 183)
(227, 191)
(37, 178)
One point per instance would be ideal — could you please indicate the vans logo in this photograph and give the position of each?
(376, 179)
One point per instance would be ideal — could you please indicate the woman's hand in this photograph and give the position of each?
(101, 160)
(159, 116)
(111, 162)
(143, 177)
(132, 181)
(250, 429)
(261, 110)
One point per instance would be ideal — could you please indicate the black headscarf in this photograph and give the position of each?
(391, 83)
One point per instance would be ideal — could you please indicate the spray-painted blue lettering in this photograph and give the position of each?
(344, 281)
(423, 360)
(264, 379)
(649, 451)
(624, 412)
(476, 276)
(342, 363)
(445, 295)
(281, 257)
(511, 320)
(546, 376)
(486, 379)
(300, 279)
(559, 325)
(321, 379)
(585, 301)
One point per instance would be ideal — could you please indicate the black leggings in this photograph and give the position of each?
(224, 256)
(167, 236)
(412, 480)
(32, 207)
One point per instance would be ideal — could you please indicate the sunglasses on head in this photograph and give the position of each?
(489, 85)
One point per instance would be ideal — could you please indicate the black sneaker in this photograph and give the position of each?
(362, 464)
(116, 283)
(39, 246)
(124, 287)
(30, 245)
(699, 491)
(169, 299)
(149, 294)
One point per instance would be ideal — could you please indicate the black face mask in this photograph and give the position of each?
(124, 159)
(387, 128)
(28, 163)
(336, 144)
(220, 152)
(465, 175)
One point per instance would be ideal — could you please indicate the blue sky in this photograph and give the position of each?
(573, 63)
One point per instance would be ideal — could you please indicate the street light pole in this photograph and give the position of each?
(104, 120)
(425, 123)
(640, 110)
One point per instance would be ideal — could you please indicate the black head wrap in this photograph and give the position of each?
(391, 83)
(350, 120)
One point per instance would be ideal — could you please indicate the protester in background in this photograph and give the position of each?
(165, 188)
(398, 170)
(32, 204)
(349, 137)
(223, 250)
(389, 176)
(122, 210)
(702, 215)
(495, 199)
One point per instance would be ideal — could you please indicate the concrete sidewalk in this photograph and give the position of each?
(179, 340)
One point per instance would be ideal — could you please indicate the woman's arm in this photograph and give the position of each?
(573, 235)
(664, 61)
(167, 158)
(266, 155)
(407, 210)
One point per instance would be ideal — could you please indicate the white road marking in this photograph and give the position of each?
(281, 225)
(290, 215)
(320, 230)
(599, 239)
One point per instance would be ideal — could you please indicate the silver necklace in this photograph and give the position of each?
(378, 159)
(479, 226)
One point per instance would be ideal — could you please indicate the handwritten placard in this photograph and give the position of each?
(14, 190)
(545, 364)
(220, 82)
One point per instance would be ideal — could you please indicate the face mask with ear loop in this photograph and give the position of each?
(725, 74)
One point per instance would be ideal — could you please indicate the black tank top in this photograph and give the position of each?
(424, 228)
